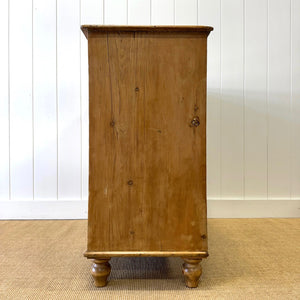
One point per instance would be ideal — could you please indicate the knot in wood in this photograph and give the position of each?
(195, 122)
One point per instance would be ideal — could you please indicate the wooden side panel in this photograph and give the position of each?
(147, 163)
(91, 13)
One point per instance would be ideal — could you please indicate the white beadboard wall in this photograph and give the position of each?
(253, 109)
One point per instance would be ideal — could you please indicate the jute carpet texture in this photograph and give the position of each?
(249, 259)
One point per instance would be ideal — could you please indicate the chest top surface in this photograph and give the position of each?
(151, 29)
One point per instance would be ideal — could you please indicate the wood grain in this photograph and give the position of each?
(192, 271)
(109, 254)
(100, 271)
(100, 29)
(147, 180)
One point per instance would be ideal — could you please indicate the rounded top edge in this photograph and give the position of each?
(153, 28)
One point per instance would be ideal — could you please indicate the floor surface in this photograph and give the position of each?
(249, 259)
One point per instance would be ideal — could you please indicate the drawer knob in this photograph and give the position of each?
(195, 122)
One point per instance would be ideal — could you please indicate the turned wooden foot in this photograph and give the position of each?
(192, 271)
(100, 271)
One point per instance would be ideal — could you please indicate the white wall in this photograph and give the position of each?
(253, 102)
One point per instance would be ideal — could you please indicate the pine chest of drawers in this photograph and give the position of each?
(147, 145)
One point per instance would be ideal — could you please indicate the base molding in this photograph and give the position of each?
(77, 209)
(253, 208)
(106, 254)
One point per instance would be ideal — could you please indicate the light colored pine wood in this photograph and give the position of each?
(147, 180)
(192, 271)
(100, 271)
(91, 13)
(101, 254)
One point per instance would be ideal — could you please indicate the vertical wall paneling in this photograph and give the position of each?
(255, 133)
(44, 99)
(295, 105)
(21, 118)
(139, 12)
(232, 102)
(68, 101)
(253, 95)
(279, 100)
(4, 103)
(209, 14)
(162, 12)
(115, 12)
(186, 12)
(91, 13)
